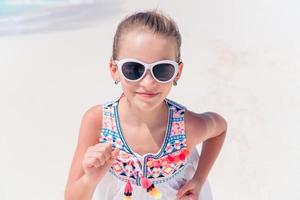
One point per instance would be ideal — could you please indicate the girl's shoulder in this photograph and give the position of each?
(92, 120)
(94, 113)
(202, 126)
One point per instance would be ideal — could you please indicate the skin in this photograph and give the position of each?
(141, 117)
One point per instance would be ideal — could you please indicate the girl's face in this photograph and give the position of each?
(147, 47)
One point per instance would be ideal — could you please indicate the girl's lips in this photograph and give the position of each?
(145, 94)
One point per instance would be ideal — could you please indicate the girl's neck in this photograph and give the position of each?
(132, 115)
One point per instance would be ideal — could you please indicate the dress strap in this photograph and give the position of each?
(109, 131)
(178, 126)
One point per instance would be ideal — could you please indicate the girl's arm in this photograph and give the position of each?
(209, 128)
(216, 128)
(80, 185)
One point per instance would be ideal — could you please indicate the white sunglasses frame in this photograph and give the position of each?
(148, 66)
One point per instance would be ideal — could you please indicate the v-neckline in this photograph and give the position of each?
(120, 132)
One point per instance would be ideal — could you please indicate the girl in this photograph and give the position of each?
(146, 148)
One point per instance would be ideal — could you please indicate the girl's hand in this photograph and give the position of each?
(98, 159)
(189, 191)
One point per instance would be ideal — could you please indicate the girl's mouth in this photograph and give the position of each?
(146, 94)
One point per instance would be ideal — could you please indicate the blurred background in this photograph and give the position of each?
(241, 61)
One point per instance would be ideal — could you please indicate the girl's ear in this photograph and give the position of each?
(113, 70)
(180, 67)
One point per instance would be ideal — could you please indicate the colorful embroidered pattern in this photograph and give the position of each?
(158, 167)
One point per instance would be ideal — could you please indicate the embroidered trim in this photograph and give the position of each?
(173, 147)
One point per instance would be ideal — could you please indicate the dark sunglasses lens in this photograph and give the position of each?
(133, 70)
(164, 71)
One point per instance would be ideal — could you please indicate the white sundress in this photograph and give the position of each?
(168, 169)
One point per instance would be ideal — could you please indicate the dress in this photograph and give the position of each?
(168, 169)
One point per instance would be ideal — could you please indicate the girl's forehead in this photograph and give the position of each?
(147, 46)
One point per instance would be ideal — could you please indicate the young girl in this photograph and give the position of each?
(142, 145)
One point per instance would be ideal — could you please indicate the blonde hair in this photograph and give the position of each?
(153, 21)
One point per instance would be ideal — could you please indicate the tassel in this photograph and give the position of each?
(128, 191)
(154, 192)
(151, 189)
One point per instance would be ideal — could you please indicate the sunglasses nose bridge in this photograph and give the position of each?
(148, 69)
(148, 75)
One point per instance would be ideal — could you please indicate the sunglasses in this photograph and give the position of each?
(134, 70)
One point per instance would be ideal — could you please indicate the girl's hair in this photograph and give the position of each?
(153, 21)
